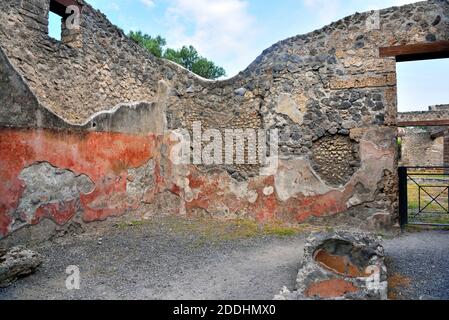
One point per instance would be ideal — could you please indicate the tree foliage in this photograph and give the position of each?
(154, 45)
(187, 56)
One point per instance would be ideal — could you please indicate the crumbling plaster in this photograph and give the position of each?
(328, 83)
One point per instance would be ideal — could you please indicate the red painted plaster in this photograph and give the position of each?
(333, 288)
(103, 157)
(58, 212)
(106, 157)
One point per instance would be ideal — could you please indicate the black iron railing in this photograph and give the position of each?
(424, 195)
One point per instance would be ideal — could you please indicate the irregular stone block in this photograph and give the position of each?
(364, 82)
(380, 220)
(16, 263)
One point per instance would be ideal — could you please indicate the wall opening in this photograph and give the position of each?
(64, 19)
(423, 121)
(423, 137)
(423, 105)
(54, 26)
(422, 84)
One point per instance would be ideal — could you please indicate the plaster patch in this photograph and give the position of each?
(190, 194)
(252, 196)
(297, 177)
(45, 185)
(286, 105)
(354, 201)
(141, 180)
(268, 191)
(239, 189)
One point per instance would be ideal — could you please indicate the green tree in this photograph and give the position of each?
(187, 56)
(191, 60)
(154, 45)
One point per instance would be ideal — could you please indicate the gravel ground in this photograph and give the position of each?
(152, 261)
(158, 260)
(423, 259)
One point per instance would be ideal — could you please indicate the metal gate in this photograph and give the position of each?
(424, 196)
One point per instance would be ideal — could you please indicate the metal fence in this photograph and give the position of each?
(424, 196)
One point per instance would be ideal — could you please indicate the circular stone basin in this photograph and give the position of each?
(343, 258)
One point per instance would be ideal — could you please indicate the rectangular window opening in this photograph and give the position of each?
(423, 84)
(55, 26)
(63, 21)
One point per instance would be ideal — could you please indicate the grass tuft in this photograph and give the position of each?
(209, 230)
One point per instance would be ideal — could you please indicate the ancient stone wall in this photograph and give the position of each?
(423, 145)
(438, 112)
(107, 69)
(328, 88)
(419, 148)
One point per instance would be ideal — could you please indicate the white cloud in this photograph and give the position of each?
(148, 3)
(222, 30)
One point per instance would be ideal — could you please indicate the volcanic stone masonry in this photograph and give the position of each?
(96, 115)
(424, 146)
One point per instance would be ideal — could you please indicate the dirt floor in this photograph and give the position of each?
(418, 264)
(173, 258)
(168, 258)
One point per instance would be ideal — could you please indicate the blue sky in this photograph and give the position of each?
(234, 32)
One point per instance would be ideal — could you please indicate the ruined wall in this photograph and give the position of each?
(107, 69)
(438, 112)
(327, 92)
(420, 149)
(420, 145)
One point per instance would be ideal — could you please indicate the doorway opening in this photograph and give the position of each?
(423, 134)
